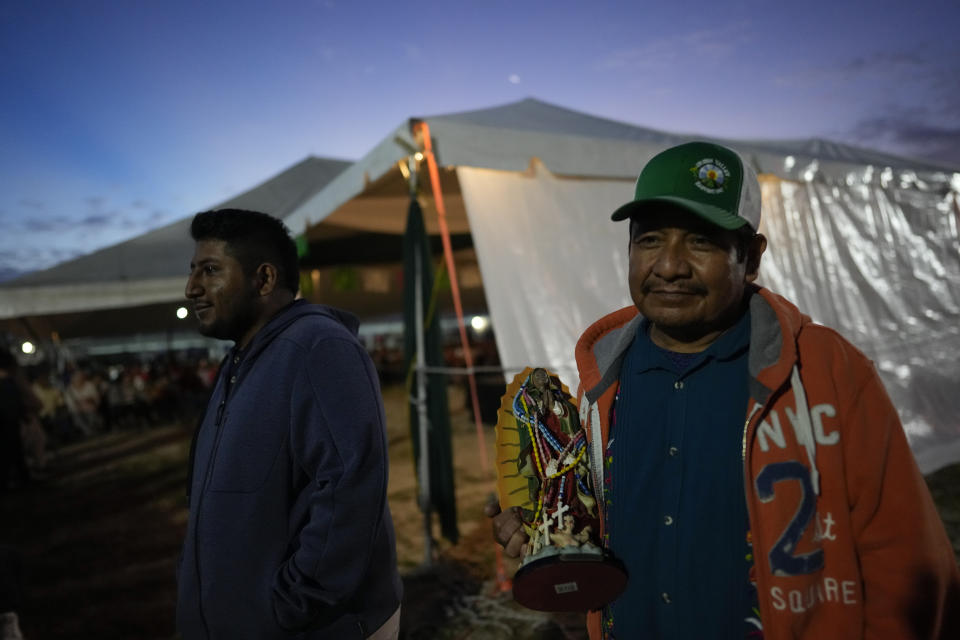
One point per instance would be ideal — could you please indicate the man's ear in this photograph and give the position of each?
(758, 244)
(266, 279)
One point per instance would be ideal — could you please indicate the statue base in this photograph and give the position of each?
(569, 582)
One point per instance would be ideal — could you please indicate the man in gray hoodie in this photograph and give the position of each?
(289, 533)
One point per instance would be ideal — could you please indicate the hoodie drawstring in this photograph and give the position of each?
(590, 415)
(805, 427)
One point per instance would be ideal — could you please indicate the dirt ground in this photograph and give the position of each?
(101, 534)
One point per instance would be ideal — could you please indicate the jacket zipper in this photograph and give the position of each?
(746, 427)
(748, 498)
(203, 490)
(597, 453)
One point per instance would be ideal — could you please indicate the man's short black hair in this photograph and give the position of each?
(253, 238)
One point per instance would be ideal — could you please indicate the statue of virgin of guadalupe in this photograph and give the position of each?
(553, 457)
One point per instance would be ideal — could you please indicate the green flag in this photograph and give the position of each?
(440, 457)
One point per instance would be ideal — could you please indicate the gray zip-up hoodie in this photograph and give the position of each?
(289, 533)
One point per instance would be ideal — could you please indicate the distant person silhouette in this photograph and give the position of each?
(14, 409)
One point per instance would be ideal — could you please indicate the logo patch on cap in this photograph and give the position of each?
(711, 175)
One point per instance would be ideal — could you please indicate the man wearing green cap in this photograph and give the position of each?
(756, 479)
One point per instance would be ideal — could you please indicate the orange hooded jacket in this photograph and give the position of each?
(847, 541)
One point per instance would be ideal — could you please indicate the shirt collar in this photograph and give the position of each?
(733, 341)
(730, 344)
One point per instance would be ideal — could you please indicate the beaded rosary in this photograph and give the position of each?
(576, 444)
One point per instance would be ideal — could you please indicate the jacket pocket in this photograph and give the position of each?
(246, 455)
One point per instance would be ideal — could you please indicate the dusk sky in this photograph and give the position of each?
(118, 117)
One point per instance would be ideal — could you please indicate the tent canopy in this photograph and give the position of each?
(151, 268)
(862, 241)
(567, 143)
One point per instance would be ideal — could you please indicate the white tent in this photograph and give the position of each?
(862, 241)
(139, 279)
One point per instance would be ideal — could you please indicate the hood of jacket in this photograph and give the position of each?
(775, 324)
(288, 315)
(773, 363)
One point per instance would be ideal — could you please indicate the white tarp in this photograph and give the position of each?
(551, 259)
(878, 261)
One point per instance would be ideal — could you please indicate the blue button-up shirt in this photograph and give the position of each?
(677, 515)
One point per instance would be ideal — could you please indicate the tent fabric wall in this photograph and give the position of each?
(879, 262)
(551, 259)
(151, 267)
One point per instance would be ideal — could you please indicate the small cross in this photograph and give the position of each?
(558, 514)
(545, 530)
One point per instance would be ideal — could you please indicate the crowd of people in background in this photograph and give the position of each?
(65, 403)
(45, 408)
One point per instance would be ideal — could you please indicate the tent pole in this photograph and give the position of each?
(423, 424)
(423, 130)
(424, 471)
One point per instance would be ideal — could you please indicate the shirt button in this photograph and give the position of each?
(666, 597)
(233, 379)
(668, 520)
(678, 384)
(673, 451)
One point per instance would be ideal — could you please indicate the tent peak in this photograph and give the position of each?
(532, 114)
(537, 116)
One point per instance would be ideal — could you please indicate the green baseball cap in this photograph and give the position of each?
(703, 178)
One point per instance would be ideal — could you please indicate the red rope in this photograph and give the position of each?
(424, 129)
(503, 582)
